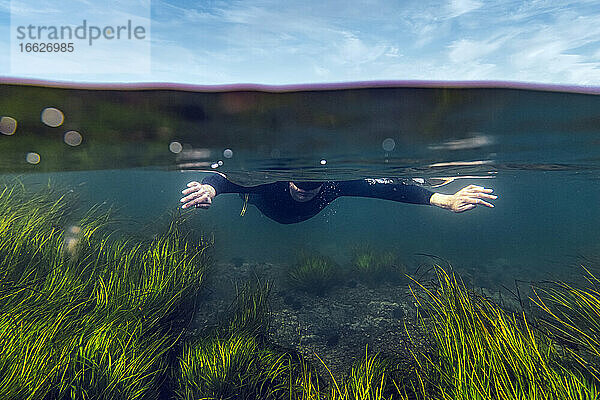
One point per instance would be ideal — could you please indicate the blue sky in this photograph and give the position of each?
(288, 42)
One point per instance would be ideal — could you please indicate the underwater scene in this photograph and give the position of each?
(371, 241)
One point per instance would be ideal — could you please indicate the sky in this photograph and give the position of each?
(278, 42)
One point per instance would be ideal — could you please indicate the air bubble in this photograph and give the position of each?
(73, 138)
(8, 125)
(52, 117)
(175, 147)
(33, 158)
(388, 144)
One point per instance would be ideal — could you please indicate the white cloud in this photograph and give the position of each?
(465, 50)
(393, 52)
(553, 52)
(557, 46)
(460, 7)
(352, 50)
(24, 10)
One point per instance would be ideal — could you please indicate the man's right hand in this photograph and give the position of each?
(198, 195)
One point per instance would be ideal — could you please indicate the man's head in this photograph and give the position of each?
(304, 191)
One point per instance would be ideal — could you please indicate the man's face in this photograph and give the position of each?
(303, 195)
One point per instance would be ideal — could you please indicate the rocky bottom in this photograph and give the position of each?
(337, 327)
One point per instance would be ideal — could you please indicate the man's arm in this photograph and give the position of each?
(397, 190)
(200, 195)
(384, 188)
(221, 184)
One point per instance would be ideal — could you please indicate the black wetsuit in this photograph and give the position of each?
(274, 199)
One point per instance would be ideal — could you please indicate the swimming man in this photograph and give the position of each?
(290, 202)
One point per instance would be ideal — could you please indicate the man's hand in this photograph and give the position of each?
(465, 199)
(198, 195)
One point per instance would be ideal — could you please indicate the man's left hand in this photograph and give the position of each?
(465, 199)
